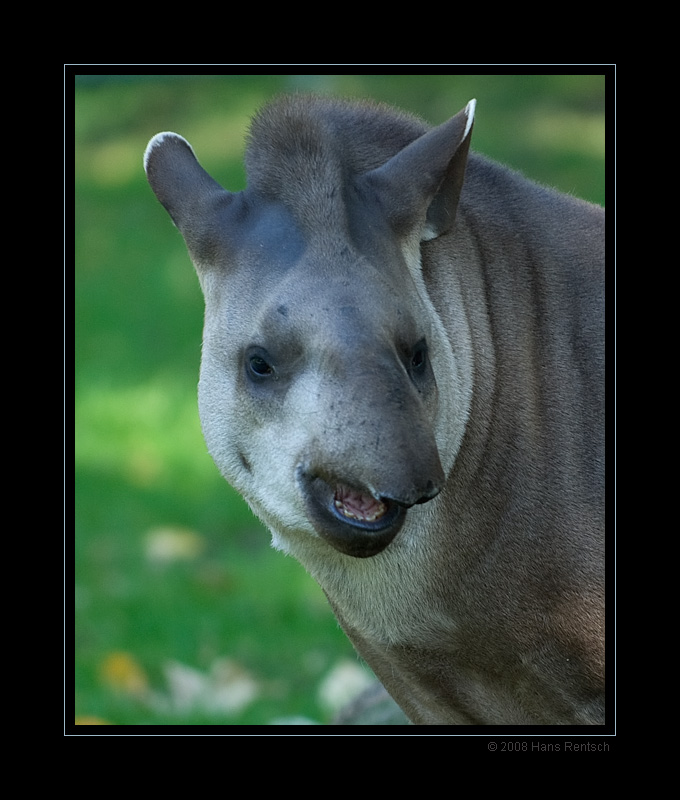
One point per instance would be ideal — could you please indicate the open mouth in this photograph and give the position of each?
(351, 519)
(353, 504)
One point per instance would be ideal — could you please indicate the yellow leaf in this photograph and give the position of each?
(122, 672)
(91, 721)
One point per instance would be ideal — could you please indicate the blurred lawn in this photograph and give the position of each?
(183, 612)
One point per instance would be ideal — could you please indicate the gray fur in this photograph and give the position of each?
(402, 373)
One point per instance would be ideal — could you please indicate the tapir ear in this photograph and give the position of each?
(421, 184)
(188, 193)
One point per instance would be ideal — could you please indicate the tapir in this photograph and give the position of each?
(403, 374)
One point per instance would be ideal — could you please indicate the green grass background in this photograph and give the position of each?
(142, 474)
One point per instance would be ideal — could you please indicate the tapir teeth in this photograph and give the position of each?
(372, 517)
(346, 512)
(357, 505)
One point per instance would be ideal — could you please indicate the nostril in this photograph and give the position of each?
(430, 493)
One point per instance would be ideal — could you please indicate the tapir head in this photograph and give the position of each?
(318, 393)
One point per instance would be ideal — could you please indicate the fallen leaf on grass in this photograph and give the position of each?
(227, 688)
(123, 673)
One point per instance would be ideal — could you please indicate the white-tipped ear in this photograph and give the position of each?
(157, 140)
(470, 111)
(421, 184)
(193, 199)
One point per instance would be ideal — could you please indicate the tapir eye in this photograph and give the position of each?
(419, 357)
(259, 365)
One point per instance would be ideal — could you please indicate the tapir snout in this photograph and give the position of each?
(374, 457)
